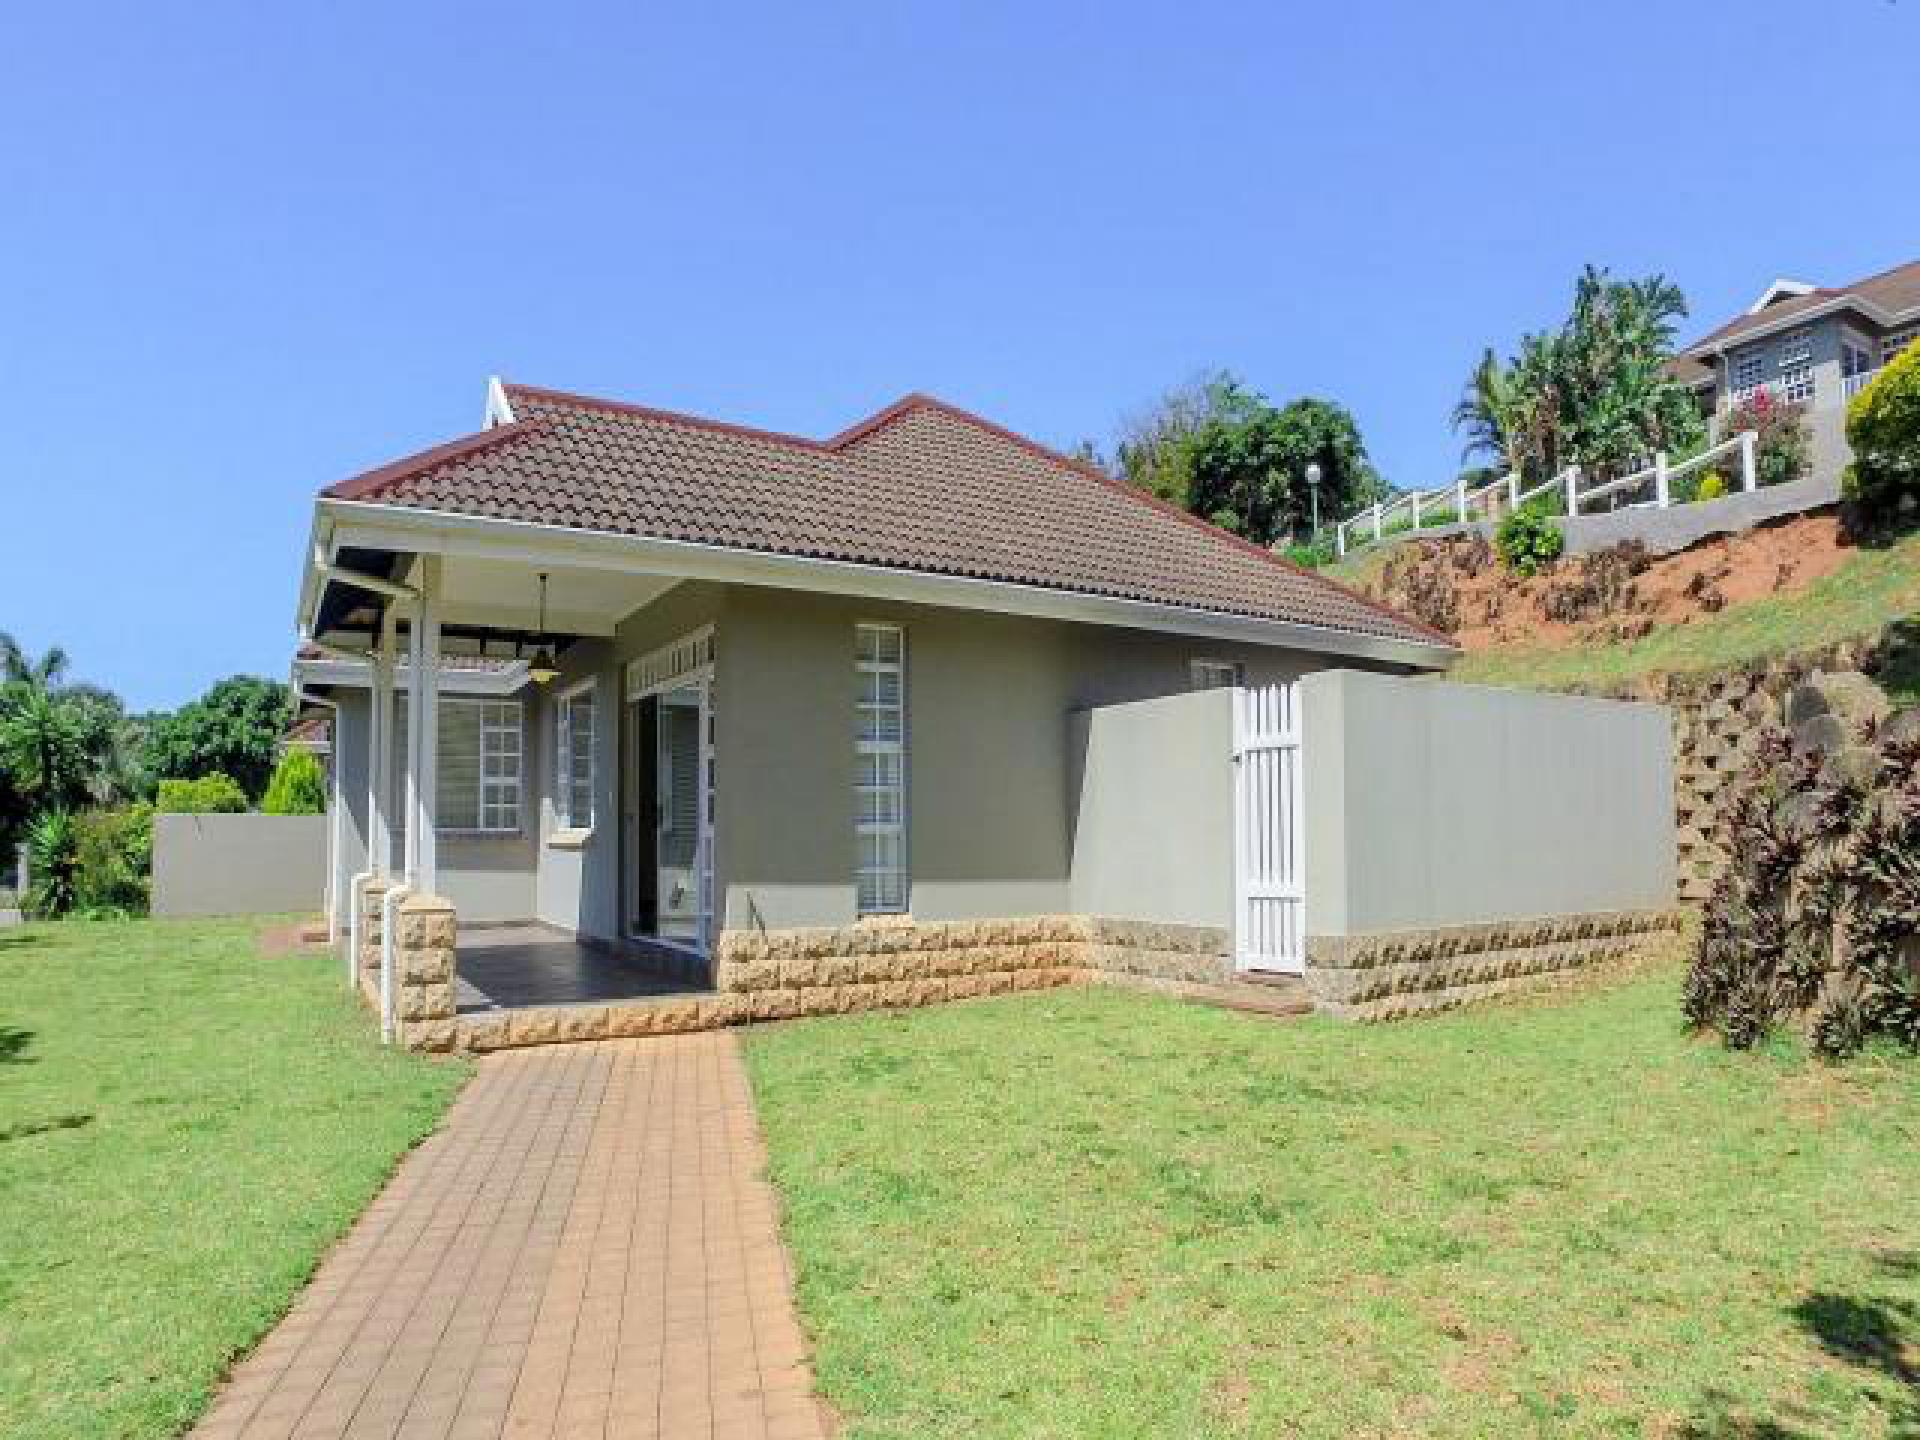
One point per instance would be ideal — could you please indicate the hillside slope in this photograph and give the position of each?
(1603, 619)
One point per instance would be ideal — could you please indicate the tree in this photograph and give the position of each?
(1249, 467)
(1223, 451)
(298, 787)
(234, 729)
(1155, 449)
(1595, 392)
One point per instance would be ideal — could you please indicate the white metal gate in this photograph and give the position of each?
(1269, 870)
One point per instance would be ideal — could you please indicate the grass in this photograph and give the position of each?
(1095, 1213)
(185, 1125)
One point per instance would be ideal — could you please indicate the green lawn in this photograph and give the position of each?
(1098, 1213)
(184, 1127)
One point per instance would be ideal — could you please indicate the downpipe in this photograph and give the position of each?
(357, 894)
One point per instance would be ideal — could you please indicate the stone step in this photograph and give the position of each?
(1280, 996)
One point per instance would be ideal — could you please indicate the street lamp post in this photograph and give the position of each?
(1313, 491)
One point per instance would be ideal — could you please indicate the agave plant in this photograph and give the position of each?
(53, 852)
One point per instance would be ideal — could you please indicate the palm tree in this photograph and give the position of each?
(1482, 412)
(16, 667)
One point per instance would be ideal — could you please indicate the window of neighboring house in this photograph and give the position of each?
(573, 722)
(1895, 341)
(1796, 348)
(1749, 369)
(1216, 674)
(880, 776)
(477, 782)
(1855, 357)
(1796, 385)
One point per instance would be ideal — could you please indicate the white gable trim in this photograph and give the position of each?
(1780, 289)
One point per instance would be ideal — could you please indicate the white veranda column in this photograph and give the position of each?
(423, 731)
(380, 755)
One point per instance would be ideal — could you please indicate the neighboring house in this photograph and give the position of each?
(700, 688)
(1810, 345)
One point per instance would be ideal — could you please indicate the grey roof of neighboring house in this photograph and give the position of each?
(921, 486)
(1891, 292)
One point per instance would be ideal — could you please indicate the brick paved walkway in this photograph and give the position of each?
(587, 1248)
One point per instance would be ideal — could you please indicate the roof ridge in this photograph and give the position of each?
(669, 417)
(358, 487)
(1088, 470)
(1853, 285)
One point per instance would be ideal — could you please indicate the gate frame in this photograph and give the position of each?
(1284, 800)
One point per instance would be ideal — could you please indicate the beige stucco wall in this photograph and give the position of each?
(1430, 804)
(1151, 810)
(486, 877)
(993, 787)
(238, 864)
(990, 774)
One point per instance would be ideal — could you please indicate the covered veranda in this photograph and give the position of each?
(417, 627)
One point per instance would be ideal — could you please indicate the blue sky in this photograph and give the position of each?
(249, 249)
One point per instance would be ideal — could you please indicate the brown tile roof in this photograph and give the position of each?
(1895, 292)
(922, 486)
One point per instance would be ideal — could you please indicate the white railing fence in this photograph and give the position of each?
(1852, 385)
(1269, 851)
(1459, 505)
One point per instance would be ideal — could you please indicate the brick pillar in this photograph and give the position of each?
(371, 900)
(423, 958)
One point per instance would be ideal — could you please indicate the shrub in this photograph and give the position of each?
(1712, 486)
(1528, 541)
(209, 795)
(53, 852)
(1313, 555)
(1783, 450)
(1817, 916)
(115, 857)
(1883, 430)
(298, 787)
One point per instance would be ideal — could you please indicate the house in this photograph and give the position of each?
(1810, 345)
(924, 709)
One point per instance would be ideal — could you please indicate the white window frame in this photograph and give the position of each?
(1748, 372)
(1206, 674)
(1795, 348)
(900, 872)
(491, 709)
(568, 825)
(1892, 344)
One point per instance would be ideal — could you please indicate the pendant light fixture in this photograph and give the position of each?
(543, 668)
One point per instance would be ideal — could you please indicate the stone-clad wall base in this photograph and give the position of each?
(887, 965)
(1135, 950)
(1416, 972)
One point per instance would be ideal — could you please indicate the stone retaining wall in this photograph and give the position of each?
(1717, 719)
(1416, 972)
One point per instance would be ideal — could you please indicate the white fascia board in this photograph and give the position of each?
(454, 680)
(389, 527)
